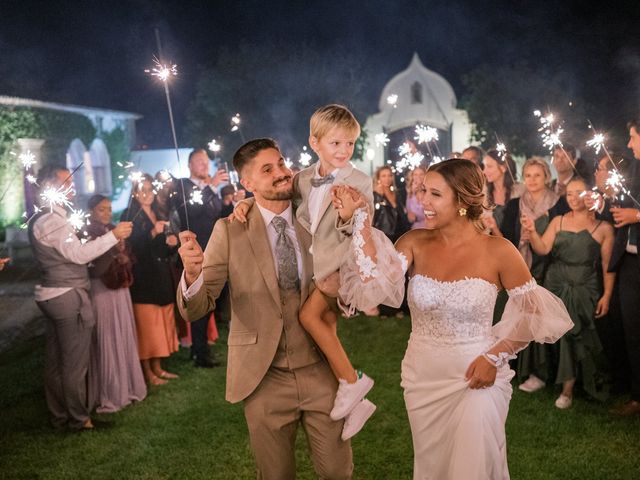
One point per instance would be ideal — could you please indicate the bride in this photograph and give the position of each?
(455, 373)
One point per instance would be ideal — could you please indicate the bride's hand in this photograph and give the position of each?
(481, 373)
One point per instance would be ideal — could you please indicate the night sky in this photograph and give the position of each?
(94, 53)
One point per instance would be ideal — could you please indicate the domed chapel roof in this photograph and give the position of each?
(422, 94)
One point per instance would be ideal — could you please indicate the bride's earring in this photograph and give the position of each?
(462, 211)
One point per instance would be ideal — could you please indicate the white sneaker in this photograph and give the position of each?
(563, 402)
(532, 384)
(357, 418)
(349, 395)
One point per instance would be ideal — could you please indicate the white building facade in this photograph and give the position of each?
(415, 96)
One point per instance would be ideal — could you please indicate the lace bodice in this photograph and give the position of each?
(454, 312)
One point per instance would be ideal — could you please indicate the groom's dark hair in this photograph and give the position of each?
(249, 150)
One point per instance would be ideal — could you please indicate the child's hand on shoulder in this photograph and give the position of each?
(240, 212)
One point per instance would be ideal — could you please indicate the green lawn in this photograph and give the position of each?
(186, 430)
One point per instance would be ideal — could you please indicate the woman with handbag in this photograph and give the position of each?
(117, 375)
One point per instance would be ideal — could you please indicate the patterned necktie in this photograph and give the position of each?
(318, 182)
(285, 257)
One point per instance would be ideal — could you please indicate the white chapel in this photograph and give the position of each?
(415, 96)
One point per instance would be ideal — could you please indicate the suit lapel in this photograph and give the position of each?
(257, 231)
(304, 242)
(304, 187)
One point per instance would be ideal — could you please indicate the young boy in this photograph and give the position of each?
(333, 133)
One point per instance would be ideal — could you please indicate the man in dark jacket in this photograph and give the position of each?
(203, 209)
(624, 261)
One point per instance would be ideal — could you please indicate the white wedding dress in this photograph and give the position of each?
(458, 433)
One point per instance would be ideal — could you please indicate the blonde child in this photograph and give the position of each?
(333, 133)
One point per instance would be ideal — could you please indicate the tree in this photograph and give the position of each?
(275, 92)
(500, 102)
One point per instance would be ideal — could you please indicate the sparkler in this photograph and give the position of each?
(235, 126)
(77, 219)
(196, 197)
(615, 183)
(426, 134)
(501, 148)
(164, 76)
(393, 101)
(163, 72)
(597, 142)
(597, 199)
(382, 139)
(159, 183)
(214, 146)
(549, 133)
(305, 158)
(53, 196)
(28, 159)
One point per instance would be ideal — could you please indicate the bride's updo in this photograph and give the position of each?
(468, 183)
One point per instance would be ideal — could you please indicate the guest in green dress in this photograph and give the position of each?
(576, 242)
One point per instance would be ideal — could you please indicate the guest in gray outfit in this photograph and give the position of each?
(64, 299)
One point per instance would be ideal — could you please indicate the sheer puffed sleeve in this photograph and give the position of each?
(532, 313)
(372, 272)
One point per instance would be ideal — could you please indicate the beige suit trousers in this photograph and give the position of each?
(273, 411)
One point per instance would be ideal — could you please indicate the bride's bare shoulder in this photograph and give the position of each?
(414, 237)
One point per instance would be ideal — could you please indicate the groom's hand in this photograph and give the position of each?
(191, 255)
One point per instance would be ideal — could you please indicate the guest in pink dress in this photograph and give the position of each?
(116, 377)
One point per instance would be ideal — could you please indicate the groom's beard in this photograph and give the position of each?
(280, 194)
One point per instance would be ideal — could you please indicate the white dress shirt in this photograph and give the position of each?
(53, 230)
(272, 235)
(316, 198)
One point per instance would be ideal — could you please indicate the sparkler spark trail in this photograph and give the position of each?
(288, 163)
(381, 139)
(196, 197)
(597, 142)
(31, 179)
(615, 181)
(549, 133)
(165, 84)
(77, 219)
(392, 100)
(56, 196)
(163, 72)
(214, 146)
(28, 159)
(426, 134)
(305, 159)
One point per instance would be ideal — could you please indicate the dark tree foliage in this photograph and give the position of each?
(500, 102)
(275, 91)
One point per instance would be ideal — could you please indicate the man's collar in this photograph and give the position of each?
(268, 215)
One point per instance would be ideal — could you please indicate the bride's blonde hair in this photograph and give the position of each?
(468, 183)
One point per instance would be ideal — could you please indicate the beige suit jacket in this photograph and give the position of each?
(331, 237)
(240, 254)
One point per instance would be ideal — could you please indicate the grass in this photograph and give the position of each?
(186, 430)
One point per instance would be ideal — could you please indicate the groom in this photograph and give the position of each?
(273, 365)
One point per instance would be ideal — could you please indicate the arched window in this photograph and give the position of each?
(416, 92)
(101, 164)
(78, 157)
